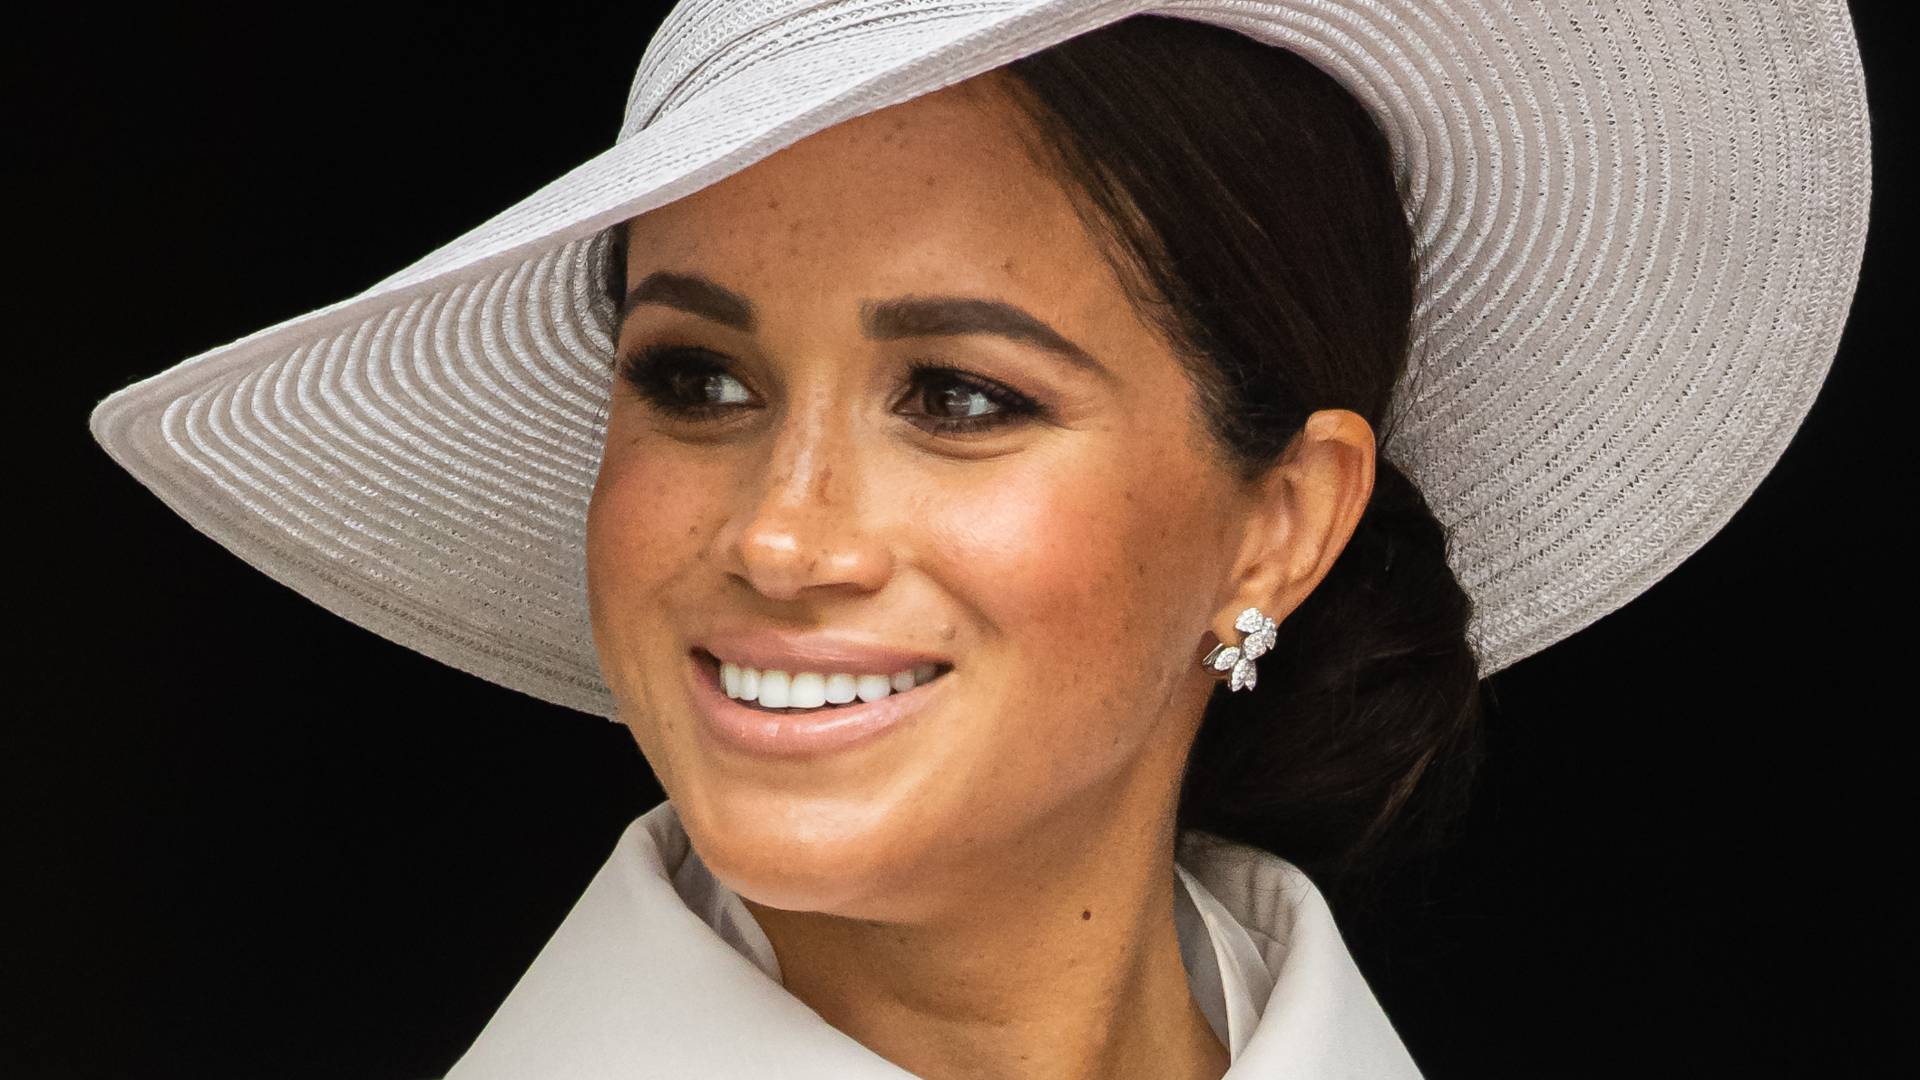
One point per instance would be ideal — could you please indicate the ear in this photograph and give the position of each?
(1307, 507)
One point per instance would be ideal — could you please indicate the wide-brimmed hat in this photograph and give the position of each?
(1640, 228)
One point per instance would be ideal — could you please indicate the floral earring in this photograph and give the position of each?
(1238, 659)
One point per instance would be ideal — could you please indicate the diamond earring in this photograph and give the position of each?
(1237, 660)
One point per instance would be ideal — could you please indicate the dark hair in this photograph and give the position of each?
(1248, 203)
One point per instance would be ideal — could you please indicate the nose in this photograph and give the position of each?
(803, 519)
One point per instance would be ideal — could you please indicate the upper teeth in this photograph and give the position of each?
(775, 689)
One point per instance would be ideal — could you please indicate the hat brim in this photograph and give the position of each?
(1641, 236)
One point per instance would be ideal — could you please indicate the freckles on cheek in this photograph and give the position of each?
(643, 526)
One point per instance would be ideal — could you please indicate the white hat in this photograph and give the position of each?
(1640, 228)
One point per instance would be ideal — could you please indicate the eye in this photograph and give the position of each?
(947, 391)
(695, 385)
(678, 381)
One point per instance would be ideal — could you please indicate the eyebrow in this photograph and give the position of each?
(882, 320)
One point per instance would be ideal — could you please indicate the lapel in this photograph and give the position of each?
(660, 971)
(1316, 1019)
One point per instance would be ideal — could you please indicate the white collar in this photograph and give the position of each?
(660, 970)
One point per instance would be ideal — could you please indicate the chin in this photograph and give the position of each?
(788, 875)
(795, 853)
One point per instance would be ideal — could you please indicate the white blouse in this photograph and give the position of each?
(661, 971)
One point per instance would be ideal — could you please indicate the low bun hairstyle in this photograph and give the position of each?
(1248, 202)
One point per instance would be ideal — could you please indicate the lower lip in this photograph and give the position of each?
(800, 735)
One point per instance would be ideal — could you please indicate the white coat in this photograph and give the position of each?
(661, 971)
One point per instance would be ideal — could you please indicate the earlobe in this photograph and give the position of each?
(1235, 662)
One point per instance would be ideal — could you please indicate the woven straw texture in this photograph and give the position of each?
(1641, 228)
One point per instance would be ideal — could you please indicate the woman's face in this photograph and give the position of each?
(1065, 556)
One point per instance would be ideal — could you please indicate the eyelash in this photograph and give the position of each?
(653, 369)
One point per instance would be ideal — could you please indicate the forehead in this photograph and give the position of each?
(942, 185)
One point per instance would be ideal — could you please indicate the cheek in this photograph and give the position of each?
(642, 527)
(1087, 578)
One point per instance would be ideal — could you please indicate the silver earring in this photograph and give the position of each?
(1238, 659)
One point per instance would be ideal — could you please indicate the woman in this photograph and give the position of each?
(906, 451)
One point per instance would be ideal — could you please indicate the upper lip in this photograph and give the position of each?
(815, 651)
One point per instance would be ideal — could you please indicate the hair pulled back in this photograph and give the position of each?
(1248, 202)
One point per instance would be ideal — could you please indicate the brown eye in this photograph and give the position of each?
(959, 403)
(956, 401)
(685, 383)
(699, 387)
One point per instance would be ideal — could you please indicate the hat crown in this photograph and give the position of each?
(706, 44)
(681, 57)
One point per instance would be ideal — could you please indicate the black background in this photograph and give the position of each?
(254, 840)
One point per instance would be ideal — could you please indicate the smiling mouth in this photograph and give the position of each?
(712, 664)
